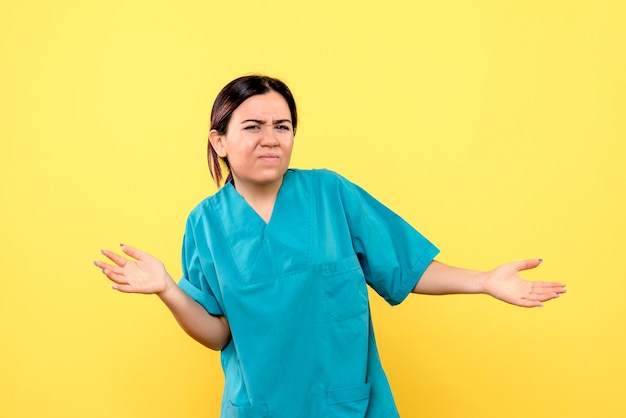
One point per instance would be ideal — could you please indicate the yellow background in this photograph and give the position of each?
(497, 128)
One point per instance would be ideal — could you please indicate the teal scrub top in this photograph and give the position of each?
(294, 291)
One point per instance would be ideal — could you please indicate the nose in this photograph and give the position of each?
(269, 137)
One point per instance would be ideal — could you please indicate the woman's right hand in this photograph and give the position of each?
(137, 273)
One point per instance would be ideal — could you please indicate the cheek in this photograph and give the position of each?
(288, 145)
(240, 147)
(241, 155)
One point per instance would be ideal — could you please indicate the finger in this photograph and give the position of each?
(124, 288)
(128, 288)
(113, 267)
(529, 303)
(115, 277)
(527, 264)
(549, 291)
(116, 258)
(113, 273)
(544, 294)
(132, 252)
(109, 268)
(542, 297)
(556, 286)
(102, 264)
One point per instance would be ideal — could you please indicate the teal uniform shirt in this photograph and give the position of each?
(294, 291)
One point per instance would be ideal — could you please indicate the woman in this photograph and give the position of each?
(276, 266)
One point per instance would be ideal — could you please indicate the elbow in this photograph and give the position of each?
(221, 338)
(220, 343)
(217, 345)
(213, 332)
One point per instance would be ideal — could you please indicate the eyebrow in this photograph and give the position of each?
(261, 122)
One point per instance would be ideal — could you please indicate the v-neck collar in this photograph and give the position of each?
(233, 194)
(261, 250)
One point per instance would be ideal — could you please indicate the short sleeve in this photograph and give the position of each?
(393, 254)
(196, 279)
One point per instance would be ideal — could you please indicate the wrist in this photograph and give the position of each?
(481, 281)
(168, 288)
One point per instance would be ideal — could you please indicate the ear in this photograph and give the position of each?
(217, 142)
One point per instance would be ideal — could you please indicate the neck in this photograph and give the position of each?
(261, 197)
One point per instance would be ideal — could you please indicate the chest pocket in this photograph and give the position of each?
(345, 289)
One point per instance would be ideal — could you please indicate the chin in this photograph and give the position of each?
(271, 176)
(263, 177)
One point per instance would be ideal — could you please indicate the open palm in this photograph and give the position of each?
(137, 273)
(504, 283)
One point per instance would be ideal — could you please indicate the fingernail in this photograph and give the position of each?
(121, 245)
(540, 260)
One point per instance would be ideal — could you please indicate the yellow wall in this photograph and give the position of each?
(496, 127)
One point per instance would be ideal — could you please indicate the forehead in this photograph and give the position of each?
(268, 105)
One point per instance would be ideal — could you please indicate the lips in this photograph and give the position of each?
(269, 157)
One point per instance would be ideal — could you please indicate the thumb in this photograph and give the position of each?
(527, 264)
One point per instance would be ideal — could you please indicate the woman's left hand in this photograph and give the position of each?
(504, 283)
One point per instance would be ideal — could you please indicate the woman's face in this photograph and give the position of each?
(258, 141)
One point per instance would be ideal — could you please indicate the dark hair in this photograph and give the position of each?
(229, 99)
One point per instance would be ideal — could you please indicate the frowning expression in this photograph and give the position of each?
(258, 141)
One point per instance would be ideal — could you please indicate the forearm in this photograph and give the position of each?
(209, 330)
(441, 279)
